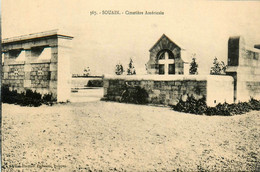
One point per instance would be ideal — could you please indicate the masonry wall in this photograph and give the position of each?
(35, 64)
(169, 90)
(244, 66)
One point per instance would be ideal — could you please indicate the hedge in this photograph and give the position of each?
(27, 98)
(193, 106)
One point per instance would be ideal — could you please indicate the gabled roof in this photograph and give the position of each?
(164, 36)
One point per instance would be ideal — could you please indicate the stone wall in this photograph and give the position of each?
(34, 62)
(169, 90)
(244, 66)
(40, 75)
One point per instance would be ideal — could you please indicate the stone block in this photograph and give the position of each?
(178, 83)
(105, 92)
(5, 68)
(53, 84)
(6, 76)
(202, 83)
(27, 75)
(45, 69)
(171, 83)
(156, 92)
(22, 73)
(183, 88)
(45, 78)
(191, 83)
(105, 83)
(168, 87)
(45, 73)
(32, 77)
(54, 58)
(20, 77)
(37, 81)
(45, 85)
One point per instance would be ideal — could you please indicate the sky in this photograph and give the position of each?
(101, 41)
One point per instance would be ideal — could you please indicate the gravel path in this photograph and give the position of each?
(111, 136)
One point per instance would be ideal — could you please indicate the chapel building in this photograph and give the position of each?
(167, 58)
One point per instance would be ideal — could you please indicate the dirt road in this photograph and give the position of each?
(112, 136)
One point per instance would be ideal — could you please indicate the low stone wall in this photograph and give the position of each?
(169, 90)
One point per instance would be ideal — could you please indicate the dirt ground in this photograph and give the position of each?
(111, 136)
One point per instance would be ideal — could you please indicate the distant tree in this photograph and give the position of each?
(219, 68)
(86, 71)
(193, 67)
(146, 67)
(119, 69)
(131, 68)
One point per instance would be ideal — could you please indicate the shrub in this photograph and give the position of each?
(191, 105)
(27, 98)
(220, 109)
(95, 83)
(141, 95)
(32, 95)
(218, 68)
(119, 70)
(193, 66)
(135, 95)
(255, 104)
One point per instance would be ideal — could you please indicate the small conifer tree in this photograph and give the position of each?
(119, 69)
(131, 68)
(193, 67)
(219, 68)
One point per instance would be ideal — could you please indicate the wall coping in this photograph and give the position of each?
(35, 36)
(40, 61)
(170, 78)
(16, 63)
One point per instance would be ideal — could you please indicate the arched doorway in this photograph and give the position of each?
(166, 62)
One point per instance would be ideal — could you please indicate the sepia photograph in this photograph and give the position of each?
(130, 85)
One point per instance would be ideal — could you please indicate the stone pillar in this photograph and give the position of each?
(53, 71)
(27, 69)
(63, 76)
(243, 66)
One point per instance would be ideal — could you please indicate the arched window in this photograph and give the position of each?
(166, 62)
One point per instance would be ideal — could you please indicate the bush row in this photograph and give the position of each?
(27, 98)
(191, 105)
(95, 83)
